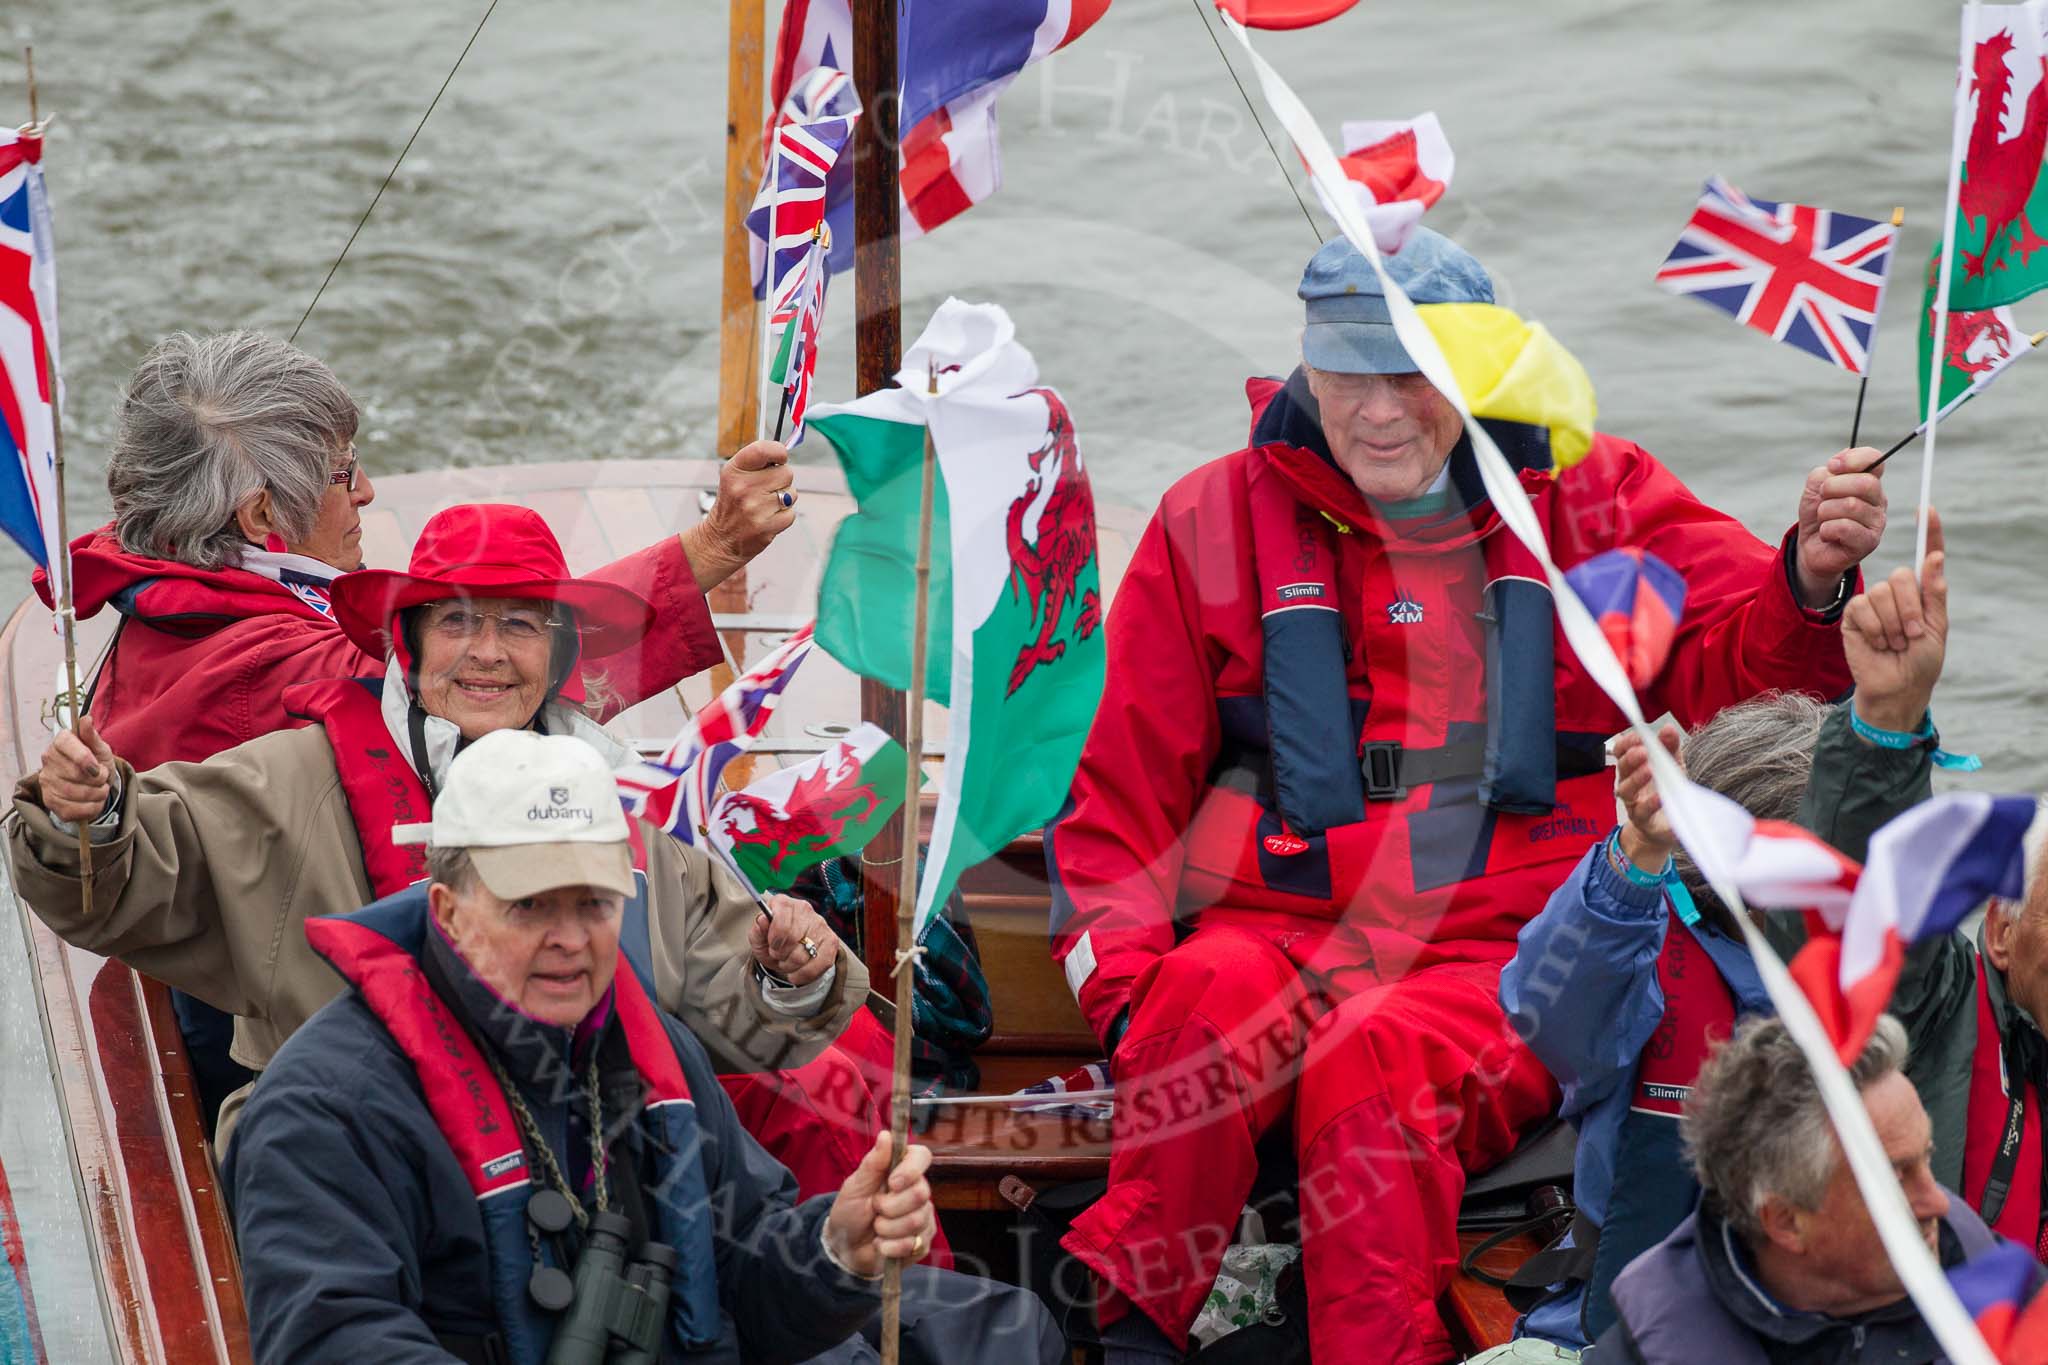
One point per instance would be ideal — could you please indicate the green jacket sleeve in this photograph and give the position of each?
(1856, 787)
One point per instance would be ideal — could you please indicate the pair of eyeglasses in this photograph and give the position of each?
(517, 627)
(349, 472)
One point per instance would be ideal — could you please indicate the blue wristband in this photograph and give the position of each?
(1926, 734)
(1623, 864)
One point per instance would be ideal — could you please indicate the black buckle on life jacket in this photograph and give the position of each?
(1380, 762)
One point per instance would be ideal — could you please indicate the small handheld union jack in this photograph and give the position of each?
(675, 791)
(796, 355)
(29, 492)
(1804, 276)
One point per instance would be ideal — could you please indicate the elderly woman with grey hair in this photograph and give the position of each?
(238, 494)
(1782, 1260)
(1624, 980)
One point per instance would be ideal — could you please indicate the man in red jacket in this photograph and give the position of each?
(1342, 755)
(238, 498)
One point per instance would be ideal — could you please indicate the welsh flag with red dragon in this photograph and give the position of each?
(1016, 606)
(2001, 228)
(797, 817)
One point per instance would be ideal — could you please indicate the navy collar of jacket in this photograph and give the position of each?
(1731, 1275)
(1292, 417)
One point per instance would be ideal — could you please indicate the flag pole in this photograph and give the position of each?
(906, 877)
(67, 615)
(739, 316)
(1863, 387)
(1958, 131)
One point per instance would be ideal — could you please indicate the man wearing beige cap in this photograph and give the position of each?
(451, 1158)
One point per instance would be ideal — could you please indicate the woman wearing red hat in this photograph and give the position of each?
(238, 498)
(205, 872)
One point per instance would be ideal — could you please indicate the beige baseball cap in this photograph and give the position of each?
(536, 812)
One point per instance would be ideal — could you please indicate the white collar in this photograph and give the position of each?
(442, 737)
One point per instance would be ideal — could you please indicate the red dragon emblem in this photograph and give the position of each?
(1966, 331)
(814, 816)
(1050, 568)
(2002, 173)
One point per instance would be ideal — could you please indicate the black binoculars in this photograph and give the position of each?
(620, 1310)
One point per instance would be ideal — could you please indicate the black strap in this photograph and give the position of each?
(1238, 767)
(416, 730)
(1556, 1263)
(1999, 1184)
(473, 1350)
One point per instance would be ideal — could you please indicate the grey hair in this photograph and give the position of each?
(1758, 754)
(1754, 1125)
(451, 867)
(209, 422)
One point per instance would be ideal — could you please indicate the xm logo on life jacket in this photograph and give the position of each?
(1404, 611)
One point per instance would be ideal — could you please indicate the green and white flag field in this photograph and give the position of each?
(1016, 647)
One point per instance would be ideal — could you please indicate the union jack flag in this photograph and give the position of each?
(799, 316)
(28, 355)
(676, 790)
(1805, 276)
(805, 142)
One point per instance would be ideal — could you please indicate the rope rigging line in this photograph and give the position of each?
(392, 172)
(1252, 109)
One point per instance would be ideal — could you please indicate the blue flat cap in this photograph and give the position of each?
(1349, 329)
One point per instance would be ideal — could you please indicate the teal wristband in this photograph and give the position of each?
(1926, 734)
(1621, 863)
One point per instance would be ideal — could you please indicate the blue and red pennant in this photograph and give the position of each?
(1637, 600)
(1997, 1289)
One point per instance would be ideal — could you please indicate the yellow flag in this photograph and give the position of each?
(1517, 372)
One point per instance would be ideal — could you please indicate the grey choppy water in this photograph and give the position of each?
(541, 281)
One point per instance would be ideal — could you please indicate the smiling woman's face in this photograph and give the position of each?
(483, 661)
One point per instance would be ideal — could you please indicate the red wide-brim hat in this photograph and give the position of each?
(487, 550)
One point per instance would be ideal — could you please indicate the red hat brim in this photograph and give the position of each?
(609, 618)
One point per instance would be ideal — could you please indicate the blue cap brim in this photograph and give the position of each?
(1355, 348)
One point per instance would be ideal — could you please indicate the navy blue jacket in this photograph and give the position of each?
(361, 1239)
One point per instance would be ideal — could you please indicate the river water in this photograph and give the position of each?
(542, 278)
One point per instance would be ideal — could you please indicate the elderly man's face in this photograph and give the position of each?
(552, 955)
(337, 536)
(1391, 433)
(484, 661)
(2016, 941)
(1841, 1247)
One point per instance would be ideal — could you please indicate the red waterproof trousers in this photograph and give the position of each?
(1397, 1088)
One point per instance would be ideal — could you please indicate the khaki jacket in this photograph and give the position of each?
(214, 866)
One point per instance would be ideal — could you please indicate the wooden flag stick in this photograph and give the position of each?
(906, 883)
(1856, 424)
(60, 574)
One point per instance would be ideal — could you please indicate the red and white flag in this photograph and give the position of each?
(1928, 869)
(953, 59)
(1396, 169)
(1283, 13)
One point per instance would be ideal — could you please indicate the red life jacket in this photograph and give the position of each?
(379, 782)
(378, 950)
(2002, 1137)
(1308, 795)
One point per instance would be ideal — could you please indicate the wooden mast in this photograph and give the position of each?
(739, 318)
(878, 346)
(739, 315)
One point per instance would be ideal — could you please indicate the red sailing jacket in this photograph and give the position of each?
(204, 656)
(1161, 825)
